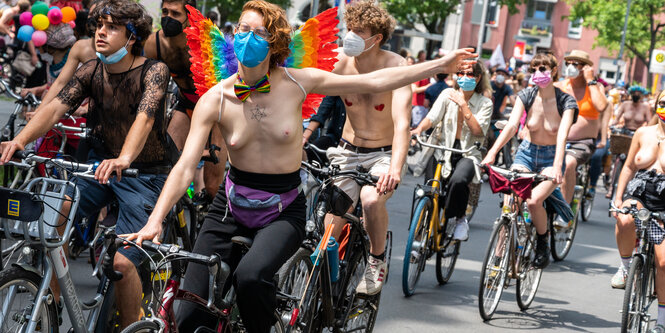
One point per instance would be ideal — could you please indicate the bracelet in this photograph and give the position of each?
(308, 129)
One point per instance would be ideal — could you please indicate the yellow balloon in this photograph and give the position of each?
(40, 22)
(68, 14)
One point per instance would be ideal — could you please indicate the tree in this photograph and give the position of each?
(229, 10)
(646, 23)
(432, 13)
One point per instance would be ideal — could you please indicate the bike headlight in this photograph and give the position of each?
(420, 193)
(643, 214)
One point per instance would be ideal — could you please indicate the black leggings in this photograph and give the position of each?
(458, 186)
(253, 275)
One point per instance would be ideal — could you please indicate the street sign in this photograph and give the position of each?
(657, 62)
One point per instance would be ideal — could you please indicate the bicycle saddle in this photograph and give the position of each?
(244, 241)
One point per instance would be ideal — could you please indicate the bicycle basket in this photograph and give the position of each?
(620, 143)
(337, 200)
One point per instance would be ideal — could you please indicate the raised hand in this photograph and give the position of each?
(458, 60)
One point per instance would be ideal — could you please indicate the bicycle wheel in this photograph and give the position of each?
(634, 317)
(528, 277)
(616, 171)
(362, 316)
(561, 239)
(294, 280)
(447, 256)
(18, 289)
(587, 207)
(142, 326)
(9, 247)
(493, 276)
(415, 254)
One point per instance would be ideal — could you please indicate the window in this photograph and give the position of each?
(575, 29)
(539, 10)
(493, 10)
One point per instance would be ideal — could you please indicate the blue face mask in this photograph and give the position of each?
(250, 49)
(116, 56)
(466, 83)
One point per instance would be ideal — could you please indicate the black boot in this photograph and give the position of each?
(542, 258)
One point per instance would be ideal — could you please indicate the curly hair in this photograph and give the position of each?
(367, 15)
(546, 59)
(129, 13)
(274, 20)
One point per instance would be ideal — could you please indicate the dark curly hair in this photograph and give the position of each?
(130, 14)
(274, 20)
(366, 14)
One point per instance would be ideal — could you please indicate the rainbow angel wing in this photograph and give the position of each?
(313, 45)
(211, 53)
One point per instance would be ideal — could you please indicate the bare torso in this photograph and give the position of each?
(542, 122)
(584, 128)
(652, 150)
(263, 136)
(635, 115)
(369, 121)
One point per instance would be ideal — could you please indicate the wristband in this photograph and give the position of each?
(592, 83)
(309, 130)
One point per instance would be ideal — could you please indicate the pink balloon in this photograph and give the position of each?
(55, 15)
(72, 24)
(25, 18)
(39, 38)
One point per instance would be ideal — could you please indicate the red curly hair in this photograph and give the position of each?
(274, 20)
(366, 14)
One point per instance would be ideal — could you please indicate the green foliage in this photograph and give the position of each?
(230, 10)
(645, 23)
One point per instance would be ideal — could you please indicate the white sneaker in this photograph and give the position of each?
(372, 282)
(461, 229)
(560, 223)
(619, 279)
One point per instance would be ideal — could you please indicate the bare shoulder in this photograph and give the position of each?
(150, 47)
(391, 59)
(646, 131)
(83, 50)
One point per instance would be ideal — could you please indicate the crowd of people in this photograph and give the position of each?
(112, 69)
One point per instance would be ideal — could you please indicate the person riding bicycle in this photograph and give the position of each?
(169, 45)
(263, 133)
(127, 131)
(582, 85)
(465, 113)
(502, 96)
(331, 117)
(550, 114)
(642, 179)
(634, 113)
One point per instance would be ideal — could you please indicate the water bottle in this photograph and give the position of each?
(190, 191)
(333, 259)
(576, 198)
(525, 213)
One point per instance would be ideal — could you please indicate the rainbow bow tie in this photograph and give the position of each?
(243, 90)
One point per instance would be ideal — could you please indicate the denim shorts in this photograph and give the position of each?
(136, 200)
(535, 158)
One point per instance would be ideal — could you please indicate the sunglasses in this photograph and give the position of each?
(467, 74)
(661, 103)
(540, 68)
(574, 63)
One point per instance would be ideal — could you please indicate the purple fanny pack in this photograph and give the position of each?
(255, 208)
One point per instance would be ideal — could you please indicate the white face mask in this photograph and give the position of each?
(354, 45)
(572, 71)
(500, 79)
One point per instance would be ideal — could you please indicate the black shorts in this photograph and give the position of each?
(648, 187)
(581, 150)
(184, 105)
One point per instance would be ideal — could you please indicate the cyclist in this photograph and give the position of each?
(645, 165)
(465, 113)
(170, 46)
(264, 139)
(634, 113)
(581, 84)
(602, 147)
(502, 95)
(127, 132)
(376, 133)
(550, 114)
(332, 113)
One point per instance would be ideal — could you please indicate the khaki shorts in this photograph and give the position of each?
(376, 163)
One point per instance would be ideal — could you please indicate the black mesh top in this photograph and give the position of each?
(114, 104)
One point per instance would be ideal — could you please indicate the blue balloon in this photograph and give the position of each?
(25, 33)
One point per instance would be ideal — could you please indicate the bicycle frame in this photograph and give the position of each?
(433, 189)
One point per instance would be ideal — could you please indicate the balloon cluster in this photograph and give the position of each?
(34, 22)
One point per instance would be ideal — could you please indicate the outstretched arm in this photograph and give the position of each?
(321, 82)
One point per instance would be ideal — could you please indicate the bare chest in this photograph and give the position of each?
(543, 116)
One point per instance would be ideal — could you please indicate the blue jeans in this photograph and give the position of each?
(596, 166)
(534, 157)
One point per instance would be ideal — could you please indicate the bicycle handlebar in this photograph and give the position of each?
(476, 146)
(82, 169)
(513, 174)
(309, 146)
(641, 214)
(333, 171)
(81, 129)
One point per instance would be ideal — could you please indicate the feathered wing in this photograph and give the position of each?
(313, 45)
(211, 53)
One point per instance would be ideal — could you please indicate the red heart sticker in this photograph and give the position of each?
(347, 102)
(379, 107)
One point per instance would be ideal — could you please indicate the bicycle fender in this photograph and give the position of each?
(28, 267)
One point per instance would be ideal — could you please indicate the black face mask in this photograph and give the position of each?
(171, 26)
(636, 98)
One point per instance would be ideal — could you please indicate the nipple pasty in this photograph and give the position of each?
(379, 107)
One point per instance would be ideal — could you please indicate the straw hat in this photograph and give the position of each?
(579, 56)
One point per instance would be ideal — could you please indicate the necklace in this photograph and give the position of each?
(57, 67)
